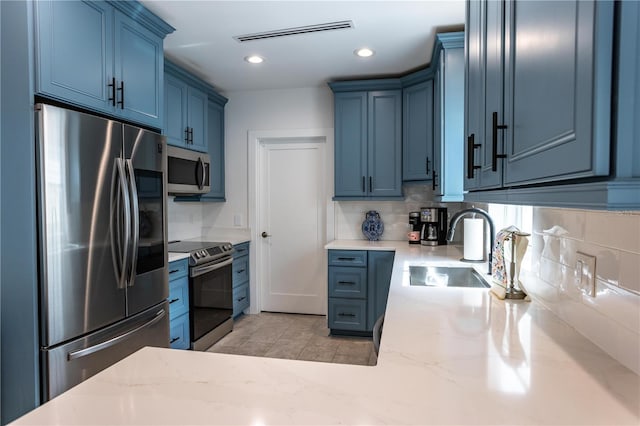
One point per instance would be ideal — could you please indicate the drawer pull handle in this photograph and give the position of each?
(241, 299)
(347, 258)
(175, 339)
(173, 271)
(239, 271)
(347, 282)
(342, 314)
(173, 301)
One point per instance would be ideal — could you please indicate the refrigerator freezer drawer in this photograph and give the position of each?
(69, 364)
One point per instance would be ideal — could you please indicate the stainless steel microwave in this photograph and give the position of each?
(187, 171)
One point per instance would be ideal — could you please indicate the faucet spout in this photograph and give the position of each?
(456, 218)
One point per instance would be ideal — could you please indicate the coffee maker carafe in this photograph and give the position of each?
(434, 226)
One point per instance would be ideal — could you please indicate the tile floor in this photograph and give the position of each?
(293, 336)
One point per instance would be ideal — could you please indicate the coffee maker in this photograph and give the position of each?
(433, 231)
(415, 228)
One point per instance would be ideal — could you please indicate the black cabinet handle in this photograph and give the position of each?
(191, 135)
(363, 188)
(241, 299)
(239, 271)
(427, 165)
(342, 314)
(495, 156)
(347, 258)
(121, 90)
(434, 178)
(347, 282)
(370, 184)
(186, 135)
(173, 271)
(173, 301)
(471, 146)
(175, 339)
(112, 86)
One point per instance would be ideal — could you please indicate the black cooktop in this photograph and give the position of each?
(189, 246)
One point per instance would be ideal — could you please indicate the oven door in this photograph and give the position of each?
(210, 296)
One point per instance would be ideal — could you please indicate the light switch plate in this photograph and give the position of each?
(585, 273)
(237, 219)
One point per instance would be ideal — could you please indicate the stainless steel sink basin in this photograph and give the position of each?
(444, 276)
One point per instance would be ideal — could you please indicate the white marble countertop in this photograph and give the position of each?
(177, 256)
(447, 356)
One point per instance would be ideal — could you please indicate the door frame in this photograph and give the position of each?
(255, 140)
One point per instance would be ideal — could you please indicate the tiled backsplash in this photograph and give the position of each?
(349, 215)
(185, 220)
(611, 319)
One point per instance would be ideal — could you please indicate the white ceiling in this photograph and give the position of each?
(402, 34)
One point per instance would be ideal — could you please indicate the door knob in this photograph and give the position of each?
(264, 234)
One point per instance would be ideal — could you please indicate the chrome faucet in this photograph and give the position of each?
(456, 218)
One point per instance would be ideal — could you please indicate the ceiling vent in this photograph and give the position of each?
(331, 26)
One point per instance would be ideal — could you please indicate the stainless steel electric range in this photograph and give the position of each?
(210, 290)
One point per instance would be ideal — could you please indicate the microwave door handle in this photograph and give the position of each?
(208, 268)
(204, 174)
(200, 166)
(135, 221)
(114, 341)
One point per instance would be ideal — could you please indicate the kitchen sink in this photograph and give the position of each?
(445, 276)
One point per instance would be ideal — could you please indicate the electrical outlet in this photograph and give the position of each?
(585, 273)
(237, 219)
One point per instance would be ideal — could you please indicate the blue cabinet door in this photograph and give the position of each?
(474, 91)
(557, 94)
(197, 119)
(175, 107)
(179, 332)
(350, 144)
(417, 136)
(139, 72)
(379, 281)
(215, 136)
(75, 52)
(385, 143)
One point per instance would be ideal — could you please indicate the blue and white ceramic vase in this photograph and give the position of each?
(372, 227)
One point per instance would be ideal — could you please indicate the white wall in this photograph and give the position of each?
(304, 108)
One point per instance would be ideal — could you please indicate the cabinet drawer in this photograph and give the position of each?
(241, 250)
(348, 282)
(178, 297)
(347, 314)
(240, 270)
(178, 269)
(179, 332)
(348, 257)
(240, 299)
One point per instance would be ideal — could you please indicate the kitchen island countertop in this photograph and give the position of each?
(447, 356)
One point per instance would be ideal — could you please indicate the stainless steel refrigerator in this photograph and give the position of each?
(102, 244)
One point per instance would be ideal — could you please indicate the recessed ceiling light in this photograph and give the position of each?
(254, 59)
(364, 52)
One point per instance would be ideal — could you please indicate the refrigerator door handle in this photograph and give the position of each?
(119, 250)
(135, 220)
(114, 341)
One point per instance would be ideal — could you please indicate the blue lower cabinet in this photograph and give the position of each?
(240, 271)
(358, 288)
(179, 304)
(347, 314)
(179, 332)
(240, 298)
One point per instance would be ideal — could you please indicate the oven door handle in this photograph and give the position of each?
(208, 268)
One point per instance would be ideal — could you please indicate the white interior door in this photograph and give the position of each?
(292, 221)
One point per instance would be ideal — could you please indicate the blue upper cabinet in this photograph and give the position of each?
(448, 112)
(350, 144)
(540, 86)
(385, 143)
(557, 95)
(417, 132)
(138, 71)
(95, 55)
(194, 119)
(368, 142)
(215, 132)
(185, 120)
(75, 51)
